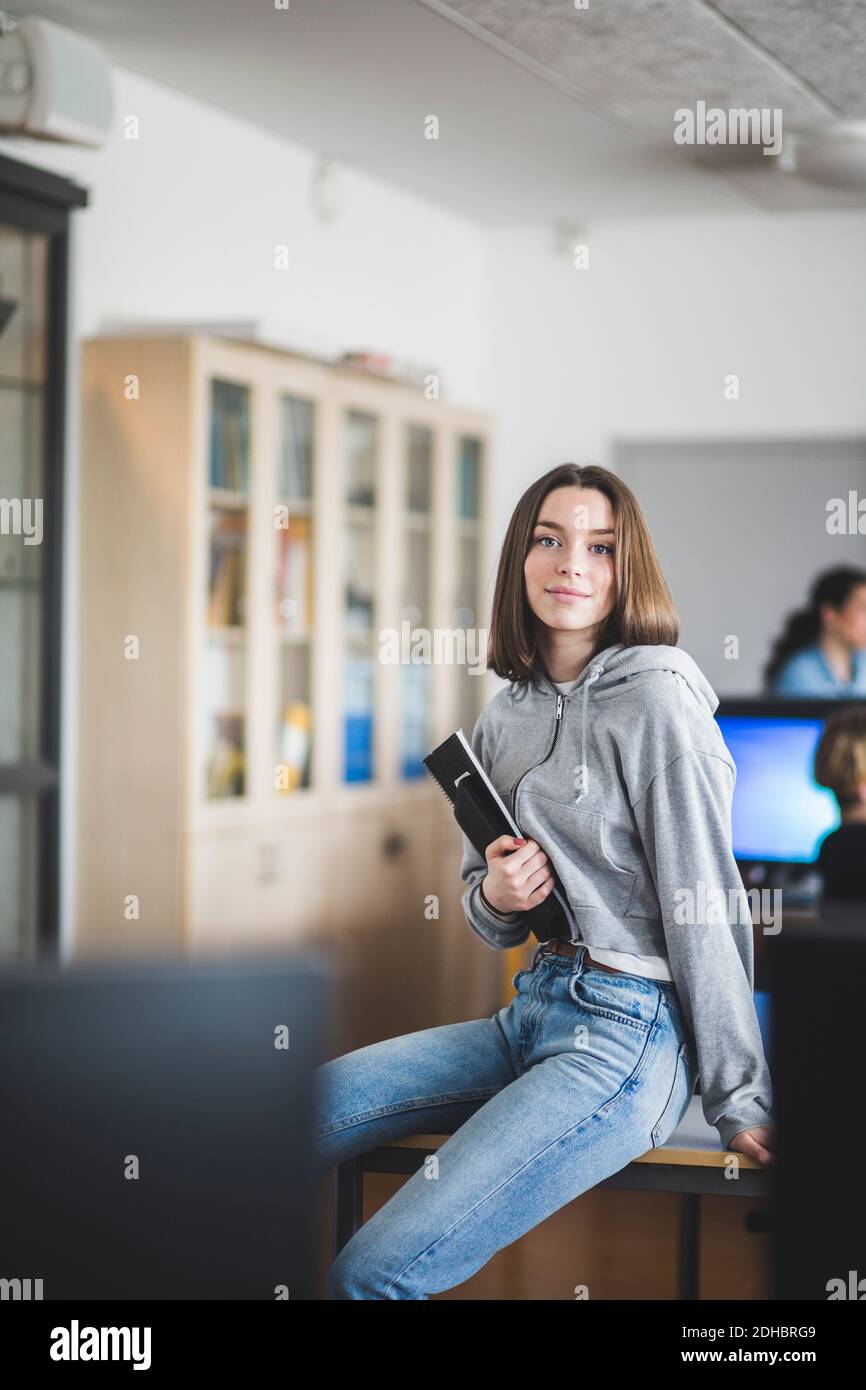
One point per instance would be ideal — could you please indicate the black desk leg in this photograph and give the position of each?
(348, 1203)
(688, 1245)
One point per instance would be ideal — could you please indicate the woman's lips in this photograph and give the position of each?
(560, 597)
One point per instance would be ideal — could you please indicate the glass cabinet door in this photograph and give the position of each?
(293, 598)
(226, 650)
(26, 543)
(360, 652)
(467, 614)
(415, 606)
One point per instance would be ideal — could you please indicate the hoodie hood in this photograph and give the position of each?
(614, 668)
(618, 664)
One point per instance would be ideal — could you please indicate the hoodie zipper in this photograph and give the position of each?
(560, 702)
(560, 705)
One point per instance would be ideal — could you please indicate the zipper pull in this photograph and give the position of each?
(559, 703)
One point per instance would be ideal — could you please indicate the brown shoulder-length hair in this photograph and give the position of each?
(643, 612)
(840, 758)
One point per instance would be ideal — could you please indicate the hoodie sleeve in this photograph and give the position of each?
(501, 932)
(684, 819)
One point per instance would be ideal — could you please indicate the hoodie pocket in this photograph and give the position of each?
(574, 840)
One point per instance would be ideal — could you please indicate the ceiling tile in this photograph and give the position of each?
(823, 41)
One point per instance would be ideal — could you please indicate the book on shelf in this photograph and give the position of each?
(294, 745)
(227, 565)
(294, 581)
(225, 774)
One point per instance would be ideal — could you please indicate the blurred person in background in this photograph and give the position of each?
(840, 764)
(822, 648)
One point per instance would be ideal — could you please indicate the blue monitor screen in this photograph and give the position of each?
(779, 812)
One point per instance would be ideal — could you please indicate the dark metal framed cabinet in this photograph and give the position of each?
(35, 208)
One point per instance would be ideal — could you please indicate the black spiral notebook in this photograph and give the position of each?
(483, 816)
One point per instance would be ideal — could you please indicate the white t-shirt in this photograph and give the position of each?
(655, 967)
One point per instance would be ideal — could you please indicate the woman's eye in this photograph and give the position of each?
(596, 546)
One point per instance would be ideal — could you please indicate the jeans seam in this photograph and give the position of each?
(558, 1140)
(448, 1098)
(638, 1024)
(536, 1027)
(657, 1126)
(511, 1060)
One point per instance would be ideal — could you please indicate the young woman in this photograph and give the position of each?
(822, 648)
(606, 747)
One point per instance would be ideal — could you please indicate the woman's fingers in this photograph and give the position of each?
(523, 863)
(538, 886)
(539, 894)
(534, 880)
(506, 846)
(520, 875)
(746, 1143)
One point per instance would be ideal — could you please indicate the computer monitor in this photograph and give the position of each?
(780, 815)
(157, 1122)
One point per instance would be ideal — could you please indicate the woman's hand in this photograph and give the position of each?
(759, 1143)
(518, 877)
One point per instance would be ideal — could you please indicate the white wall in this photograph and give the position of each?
(637, 346)
(183, 222)
(182, 225)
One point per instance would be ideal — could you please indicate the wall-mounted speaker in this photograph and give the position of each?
(54, 85)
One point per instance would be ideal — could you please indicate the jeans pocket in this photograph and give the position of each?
(680, 1094)
(617, 997)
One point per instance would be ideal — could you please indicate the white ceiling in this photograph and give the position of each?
(546, 112)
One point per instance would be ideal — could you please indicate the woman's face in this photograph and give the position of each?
(572, 547)
(849, 621)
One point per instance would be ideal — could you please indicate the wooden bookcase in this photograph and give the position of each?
(249, 768)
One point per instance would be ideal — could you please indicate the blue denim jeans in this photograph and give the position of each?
(582, 1072)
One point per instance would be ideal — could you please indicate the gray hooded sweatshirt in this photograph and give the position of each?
(626, 783)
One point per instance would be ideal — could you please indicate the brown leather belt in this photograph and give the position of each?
(570, 948)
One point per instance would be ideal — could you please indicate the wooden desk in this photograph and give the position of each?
(690, 1164)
